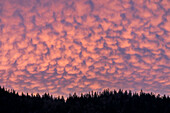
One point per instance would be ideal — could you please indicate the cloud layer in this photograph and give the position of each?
(66, 46)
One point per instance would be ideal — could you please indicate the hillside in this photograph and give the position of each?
(93, 102)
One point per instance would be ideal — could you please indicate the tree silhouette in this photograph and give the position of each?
(92, 102)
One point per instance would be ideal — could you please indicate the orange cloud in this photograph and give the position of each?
(61, 46)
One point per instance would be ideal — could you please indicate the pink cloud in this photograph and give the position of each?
(62, 47)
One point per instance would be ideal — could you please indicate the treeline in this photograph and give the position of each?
(93, 102)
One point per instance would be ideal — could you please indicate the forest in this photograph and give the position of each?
(93, 102)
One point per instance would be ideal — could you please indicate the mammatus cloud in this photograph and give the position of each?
(66, 46)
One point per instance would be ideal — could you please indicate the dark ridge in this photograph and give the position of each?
(93, 102)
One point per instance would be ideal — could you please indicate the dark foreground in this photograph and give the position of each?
(104, 102)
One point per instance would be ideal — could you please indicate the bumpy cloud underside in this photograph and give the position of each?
(66, 46)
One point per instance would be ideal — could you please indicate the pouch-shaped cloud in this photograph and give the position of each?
(66, 46)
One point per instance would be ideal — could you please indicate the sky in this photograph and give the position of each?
(67, 46)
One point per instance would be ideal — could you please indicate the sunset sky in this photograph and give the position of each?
(67, 46)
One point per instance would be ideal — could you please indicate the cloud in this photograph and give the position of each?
(61, 46)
